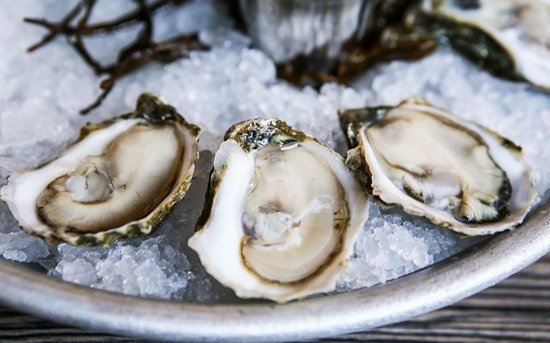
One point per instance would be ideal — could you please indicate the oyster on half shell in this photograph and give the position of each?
(510, 38)
(121, 177)
(282, 214)
(457, 174)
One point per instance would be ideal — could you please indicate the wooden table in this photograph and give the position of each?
(516, 310)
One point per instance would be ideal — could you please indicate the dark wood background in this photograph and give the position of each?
(516, 310)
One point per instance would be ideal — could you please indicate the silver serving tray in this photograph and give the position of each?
(471, 271)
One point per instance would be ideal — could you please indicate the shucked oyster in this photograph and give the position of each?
(282, 213)
(510, 38)
(457, 174)
(120, 177)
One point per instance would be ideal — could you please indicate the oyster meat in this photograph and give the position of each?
(119, 178)
(282, 213)
(511, 38)
(457, 174)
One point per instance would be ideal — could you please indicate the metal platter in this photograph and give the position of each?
(476, 268)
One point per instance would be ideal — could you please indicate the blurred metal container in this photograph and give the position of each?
(315, 29)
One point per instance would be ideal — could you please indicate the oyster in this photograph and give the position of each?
(455, 173)
(119, 178)
(282, 213)
(510, 38)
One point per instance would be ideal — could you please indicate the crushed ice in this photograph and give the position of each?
(152, 267)
(41, 93)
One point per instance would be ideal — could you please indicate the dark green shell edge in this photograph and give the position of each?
(148, 107)
(356, 164)
(216, 176)
(352, 120)
(470, 41)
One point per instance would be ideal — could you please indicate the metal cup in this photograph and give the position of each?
(316, 30)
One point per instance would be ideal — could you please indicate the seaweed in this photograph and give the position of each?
(143, 50)
(391, 38)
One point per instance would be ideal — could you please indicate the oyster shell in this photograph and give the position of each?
(120, 177)
(457, 174)
(510, 38)
(282, 213)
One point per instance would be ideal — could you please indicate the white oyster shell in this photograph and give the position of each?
(282, 215)
(461, 176)
(120, 177)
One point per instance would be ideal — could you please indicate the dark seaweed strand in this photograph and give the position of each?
(55, 29)
(77, 42)
(140, 52)
(65, 28)
(142, 41)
